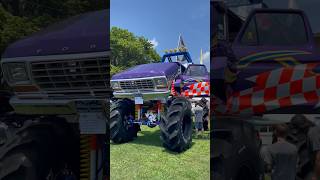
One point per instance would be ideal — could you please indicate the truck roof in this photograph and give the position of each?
(197, 65)
(84, 33)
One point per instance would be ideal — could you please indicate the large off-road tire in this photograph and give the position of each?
(176, 126)
(234, 153)
(29, 152)
(120, 130)
(33, 164)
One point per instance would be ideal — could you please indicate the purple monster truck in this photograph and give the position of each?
(146, 95)
(58, 79)
(194, 84)
(267, 64)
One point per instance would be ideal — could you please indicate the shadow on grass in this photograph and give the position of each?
(205, 135)
(148, 138)
(145, 138)
(176, 153)
(152, 138)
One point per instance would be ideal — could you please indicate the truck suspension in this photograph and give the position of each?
(84, 157)
(91, 157)
(152, 118)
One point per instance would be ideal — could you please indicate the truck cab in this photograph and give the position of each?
(264, 64)
(270, 67)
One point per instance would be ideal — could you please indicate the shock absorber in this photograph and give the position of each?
(85, 157)
(173, 91)
(137, 112)
(159, 109)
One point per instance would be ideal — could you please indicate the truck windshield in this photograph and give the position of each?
(196, 71)
(279, 29)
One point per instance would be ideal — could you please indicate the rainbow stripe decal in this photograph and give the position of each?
(279, 56)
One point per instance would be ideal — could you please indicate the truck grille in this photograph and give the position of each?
(76, 77)
(137, 84)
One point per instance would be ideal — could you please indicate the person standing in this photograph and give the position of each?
(206, 113)
(198, 112)
(314, 139)
(281, 157)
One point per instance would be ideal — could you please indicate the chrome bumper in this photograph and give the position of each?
(45, 106)
(161, 95)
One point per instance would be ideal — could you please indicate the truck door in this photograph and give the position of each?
(277, 71)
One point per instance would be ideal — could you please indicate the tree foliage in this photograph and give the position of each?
(129, 50)
(19, 18)
(13, 28)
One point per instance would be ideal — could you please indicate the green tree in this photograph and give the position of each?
(19, 18)
(13, 28)
(129, 50)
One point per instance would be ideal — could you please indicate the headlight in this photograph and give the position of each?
(115, 85)
(161, 82)
(16, 72)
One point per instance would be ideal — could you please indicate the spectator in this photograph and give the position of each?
(314, 139)
(313, 132)
(281, 157)
(198, 112)
(206, 113)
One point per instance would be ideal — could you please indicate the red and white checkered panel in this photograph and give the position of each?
(197, 89)
(275, 89)
(173, 91)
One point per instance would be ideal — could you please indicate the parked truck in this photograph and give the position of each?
(59, 79)
(262, 63)
(158, 94)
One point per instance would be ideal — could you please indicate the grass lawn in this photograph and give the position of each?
(145, 158)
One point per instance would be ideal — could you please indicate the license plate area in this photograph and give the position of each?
(92, 119)
(138, 99)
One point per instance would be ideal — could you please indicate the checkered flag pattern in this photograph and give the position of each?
(197, 89)
(283, 87)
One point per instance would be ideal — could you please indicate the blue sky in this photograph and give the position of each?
(161, 21)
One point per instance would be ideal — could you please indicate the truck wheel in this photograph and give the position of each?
(30, 151)
(30, 165)
(234, 153)
(120, 129)
(240, 164)
(176, 126)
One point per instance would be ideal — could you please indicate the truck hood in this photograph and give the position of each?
(85, 33)
(148, 70)
(186, 78)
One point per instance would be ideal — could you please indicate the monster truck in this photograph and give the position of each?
(157, 94)
(260, 65)
(59, 78)
(195, 75)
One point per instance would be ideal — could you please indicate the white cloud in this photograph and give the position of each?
(206, 56)
(205, 59)
(154, 42)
